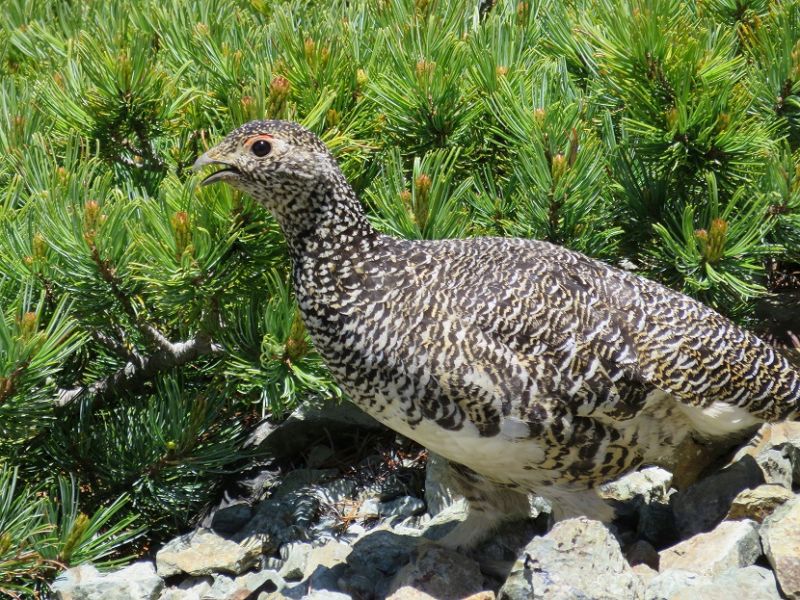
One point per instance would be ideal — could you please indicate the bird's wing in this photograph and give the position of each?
(602, 338)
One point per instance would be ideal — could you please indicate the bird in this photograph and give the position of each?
(531, 368)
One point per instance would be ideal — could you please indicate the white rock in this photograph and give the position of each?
(135, 582)
(579, 558)
(731, 545)
(758, 503)
(750, 583)
(780, 535)
(203, 552)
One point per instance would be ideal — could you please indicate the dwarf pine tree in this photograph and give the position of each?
(147, 325)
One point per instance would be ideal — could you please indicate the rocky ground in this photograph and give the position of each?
(359, 516)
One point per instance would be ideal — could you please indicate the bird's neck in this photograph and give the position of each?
(326, 219)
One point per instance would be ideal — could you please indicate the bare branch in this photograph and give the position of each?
(141, 369)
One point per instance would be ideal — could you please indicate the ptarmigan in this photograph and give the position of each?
(531, 368)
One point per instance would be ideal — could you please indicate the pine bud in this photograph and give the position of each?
(501, 72)
(558, 167)
(309, 46)
(712, 242)
(717, 236)
(201, 29)
(91, 221)
(421, 6)
(361, 78)
(538, 116)
(422, 187)
(523, 12)
(39, 246)
(74, 536)
(296, 346)
(332, 117)
(27, 325)
(5, 542)
(405, 198)
(723, 121)
(182, 231)
(279, 89)
(424, 71)
(672, 117)
(795, 72)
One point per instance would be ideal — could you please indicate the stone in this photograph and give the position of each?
(777, 467)
(203, 552)
(137, 581)
(645, 573)
(378, 555)
(369, 509)
(191, 588)
(642, 552)
(308, 424)
(294, 566)
(438, 494)
(671, 582)
(651, 484)
(302, 479)
(579, 558)
(405, 506)
(231, 518)
(780, 535)
(731, 545)
(318, 456)
(758, 503)
(438, 573)
(750, 583)
(704, 504)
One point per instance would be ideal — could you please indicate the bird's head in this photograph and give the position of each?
(276, 162)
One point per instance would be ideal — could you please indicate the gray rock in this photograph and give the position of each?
(703, 505)
(302, 480)
(231, 518)
(438, 572)
(784, 437)
(750, 583)
(308, 424)
(642, 552)
(777, 467)
(780, 535)
(318, 456)
(438, 494)
(203, 552)
(335, 492)
(384, 488)
(294, 566)
(369, 509)
(579, 558)
(405, 506)
(191, 588)
(651, 484)
(265, 580)
(282, 520)
(669, 583)
(731, 545)
(645, 573)
(324, 566)
(134, 582)
(757, 504)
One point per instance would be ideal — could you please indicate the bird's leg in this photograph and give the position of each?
(489, 504)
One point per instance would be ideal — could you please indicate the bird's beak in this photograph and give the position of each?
(212, 157)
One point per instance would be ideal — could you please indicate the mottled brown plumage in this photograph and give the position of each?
(532, 368)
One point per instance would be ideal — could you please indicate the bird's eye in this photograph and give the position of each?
(261, 148)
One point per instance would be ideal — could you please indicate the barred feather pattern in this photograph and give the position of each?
(533, 367)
